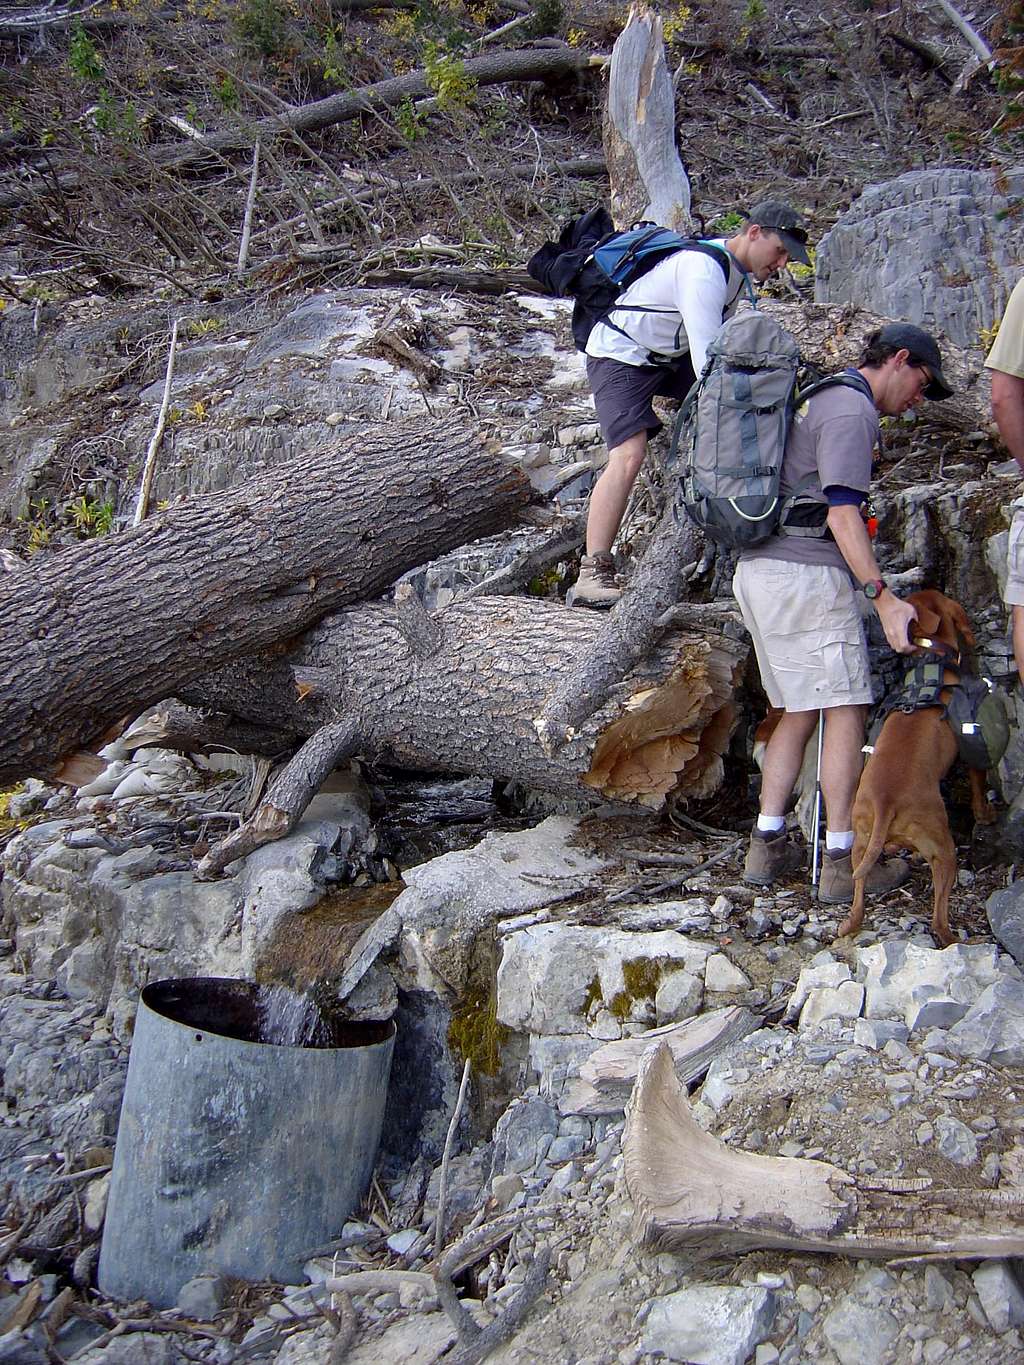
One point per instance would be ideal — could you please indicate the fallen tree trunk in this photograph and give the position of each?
(832, 337)
(693, 1194)
(102, 630)
(495, 68)
(455, 692)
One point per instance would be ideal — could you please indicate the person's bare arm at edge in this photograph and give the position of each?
(1008, 410)
(851, 536)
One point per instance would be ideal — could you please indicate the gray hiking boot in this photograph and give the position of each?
(771, 857)
(597, 585)
(836, 884)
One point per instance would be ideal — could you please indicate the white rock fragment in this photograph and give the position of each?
(1000, 1295)
(720, 974)
(709, 1325)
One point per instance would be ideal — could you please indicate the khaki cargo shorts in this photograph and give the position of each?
(807, 631)
(1013, 593)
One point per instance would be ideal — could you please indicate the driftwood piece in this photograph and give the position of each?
(100, 631)
(647, 176)
(692, 1193)
(607, 1076)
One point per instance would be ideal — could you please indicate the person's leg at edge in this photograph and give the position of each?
(771, 854)
(783, 756)
(841, 762)
(1018, 639)
(611, 492)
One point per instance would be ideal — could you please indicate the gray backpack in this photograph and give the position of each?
(732, 429)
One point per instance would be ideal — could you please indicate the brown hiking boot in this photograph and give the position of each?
(771, 857)
(597, 585)
(836, 884)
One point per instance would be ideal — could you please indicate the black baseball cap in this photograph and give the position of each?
(923, 348)
(775, 216)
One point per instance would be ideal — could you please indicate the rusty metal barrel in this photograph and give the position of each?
(236, 1155)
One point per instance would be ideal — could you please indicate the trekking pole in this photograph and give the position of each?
(816, 819)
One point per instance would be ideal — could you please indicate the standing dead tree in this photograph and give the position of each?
(647, 176)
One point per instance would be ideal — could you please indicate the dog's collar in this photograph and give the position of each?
(936, 647)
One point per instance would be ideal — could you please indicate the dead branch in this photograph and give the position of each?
(628, 633)
(563, 541)
(149, 466)
(693, 1193)
(289, 795)
(528, 64)
(442, 1189)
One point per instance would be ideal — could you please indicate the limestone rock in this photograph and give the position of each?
(993, 1028)
(900, 976)
(709, 1325)
(1000, 1294)
(1005, 911)
(721, 974)
(552, 976)
(450, 900)
(836, 1002)
(938, 247)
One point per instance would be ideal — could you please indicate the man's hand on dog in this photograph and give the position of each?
(896, 617)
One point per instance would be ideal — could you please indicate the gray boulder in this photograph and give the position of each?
(709, 1325)
(1005, 911)
(937, 247)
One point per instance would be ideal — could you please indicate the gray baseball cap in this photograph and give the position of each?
(923, 348)
(775, 216)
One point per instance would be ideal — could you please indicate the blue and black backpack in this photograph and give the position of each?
(593, 264)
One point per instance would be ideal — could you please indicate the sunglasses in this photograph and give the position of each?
(798, 234)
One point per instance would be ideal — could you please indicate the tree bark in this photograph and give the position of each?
(97, 632)
(625, 635)
(833, 336)
(647, 176)
(455, 692)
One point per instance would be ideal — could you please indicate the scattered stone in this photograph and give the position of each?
(1000, 1295)
(956, 1141)
(720, 974)
(202, 1298)
(709, 1325)
(860, 1333)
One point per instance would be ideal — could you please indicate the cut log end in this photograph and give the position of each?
(670, 738)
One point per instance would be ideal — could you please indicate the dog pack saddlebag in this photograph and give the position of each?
(977, 716)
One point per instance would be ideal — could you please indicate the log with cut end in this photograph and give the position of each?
(694, 1194)
(97, 632)
(456, 692)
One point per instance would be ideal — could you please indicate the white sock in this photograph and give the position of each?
(771, 824)
(839, 841)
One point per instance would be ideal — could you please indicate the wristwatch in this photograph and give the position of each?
(873, 588)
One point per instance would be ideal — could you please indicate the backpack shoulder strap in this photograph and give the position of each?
(844, 379)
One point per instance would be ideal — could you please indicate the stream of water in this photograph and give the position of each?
(290, 1019)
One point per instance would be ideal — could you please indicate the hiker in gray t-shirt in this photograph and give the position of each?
(797, 595)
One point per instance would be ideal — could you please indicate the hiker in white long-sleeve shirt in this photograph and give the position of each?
(654, 342)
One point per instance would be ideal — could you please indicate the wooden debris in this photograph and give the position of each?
(693, 1193)
(608, 1075)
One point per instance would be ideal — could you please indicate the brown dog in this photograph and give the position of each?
(898, 800)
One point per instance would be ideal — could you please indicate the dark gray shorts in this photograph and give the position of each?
(623, 393)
